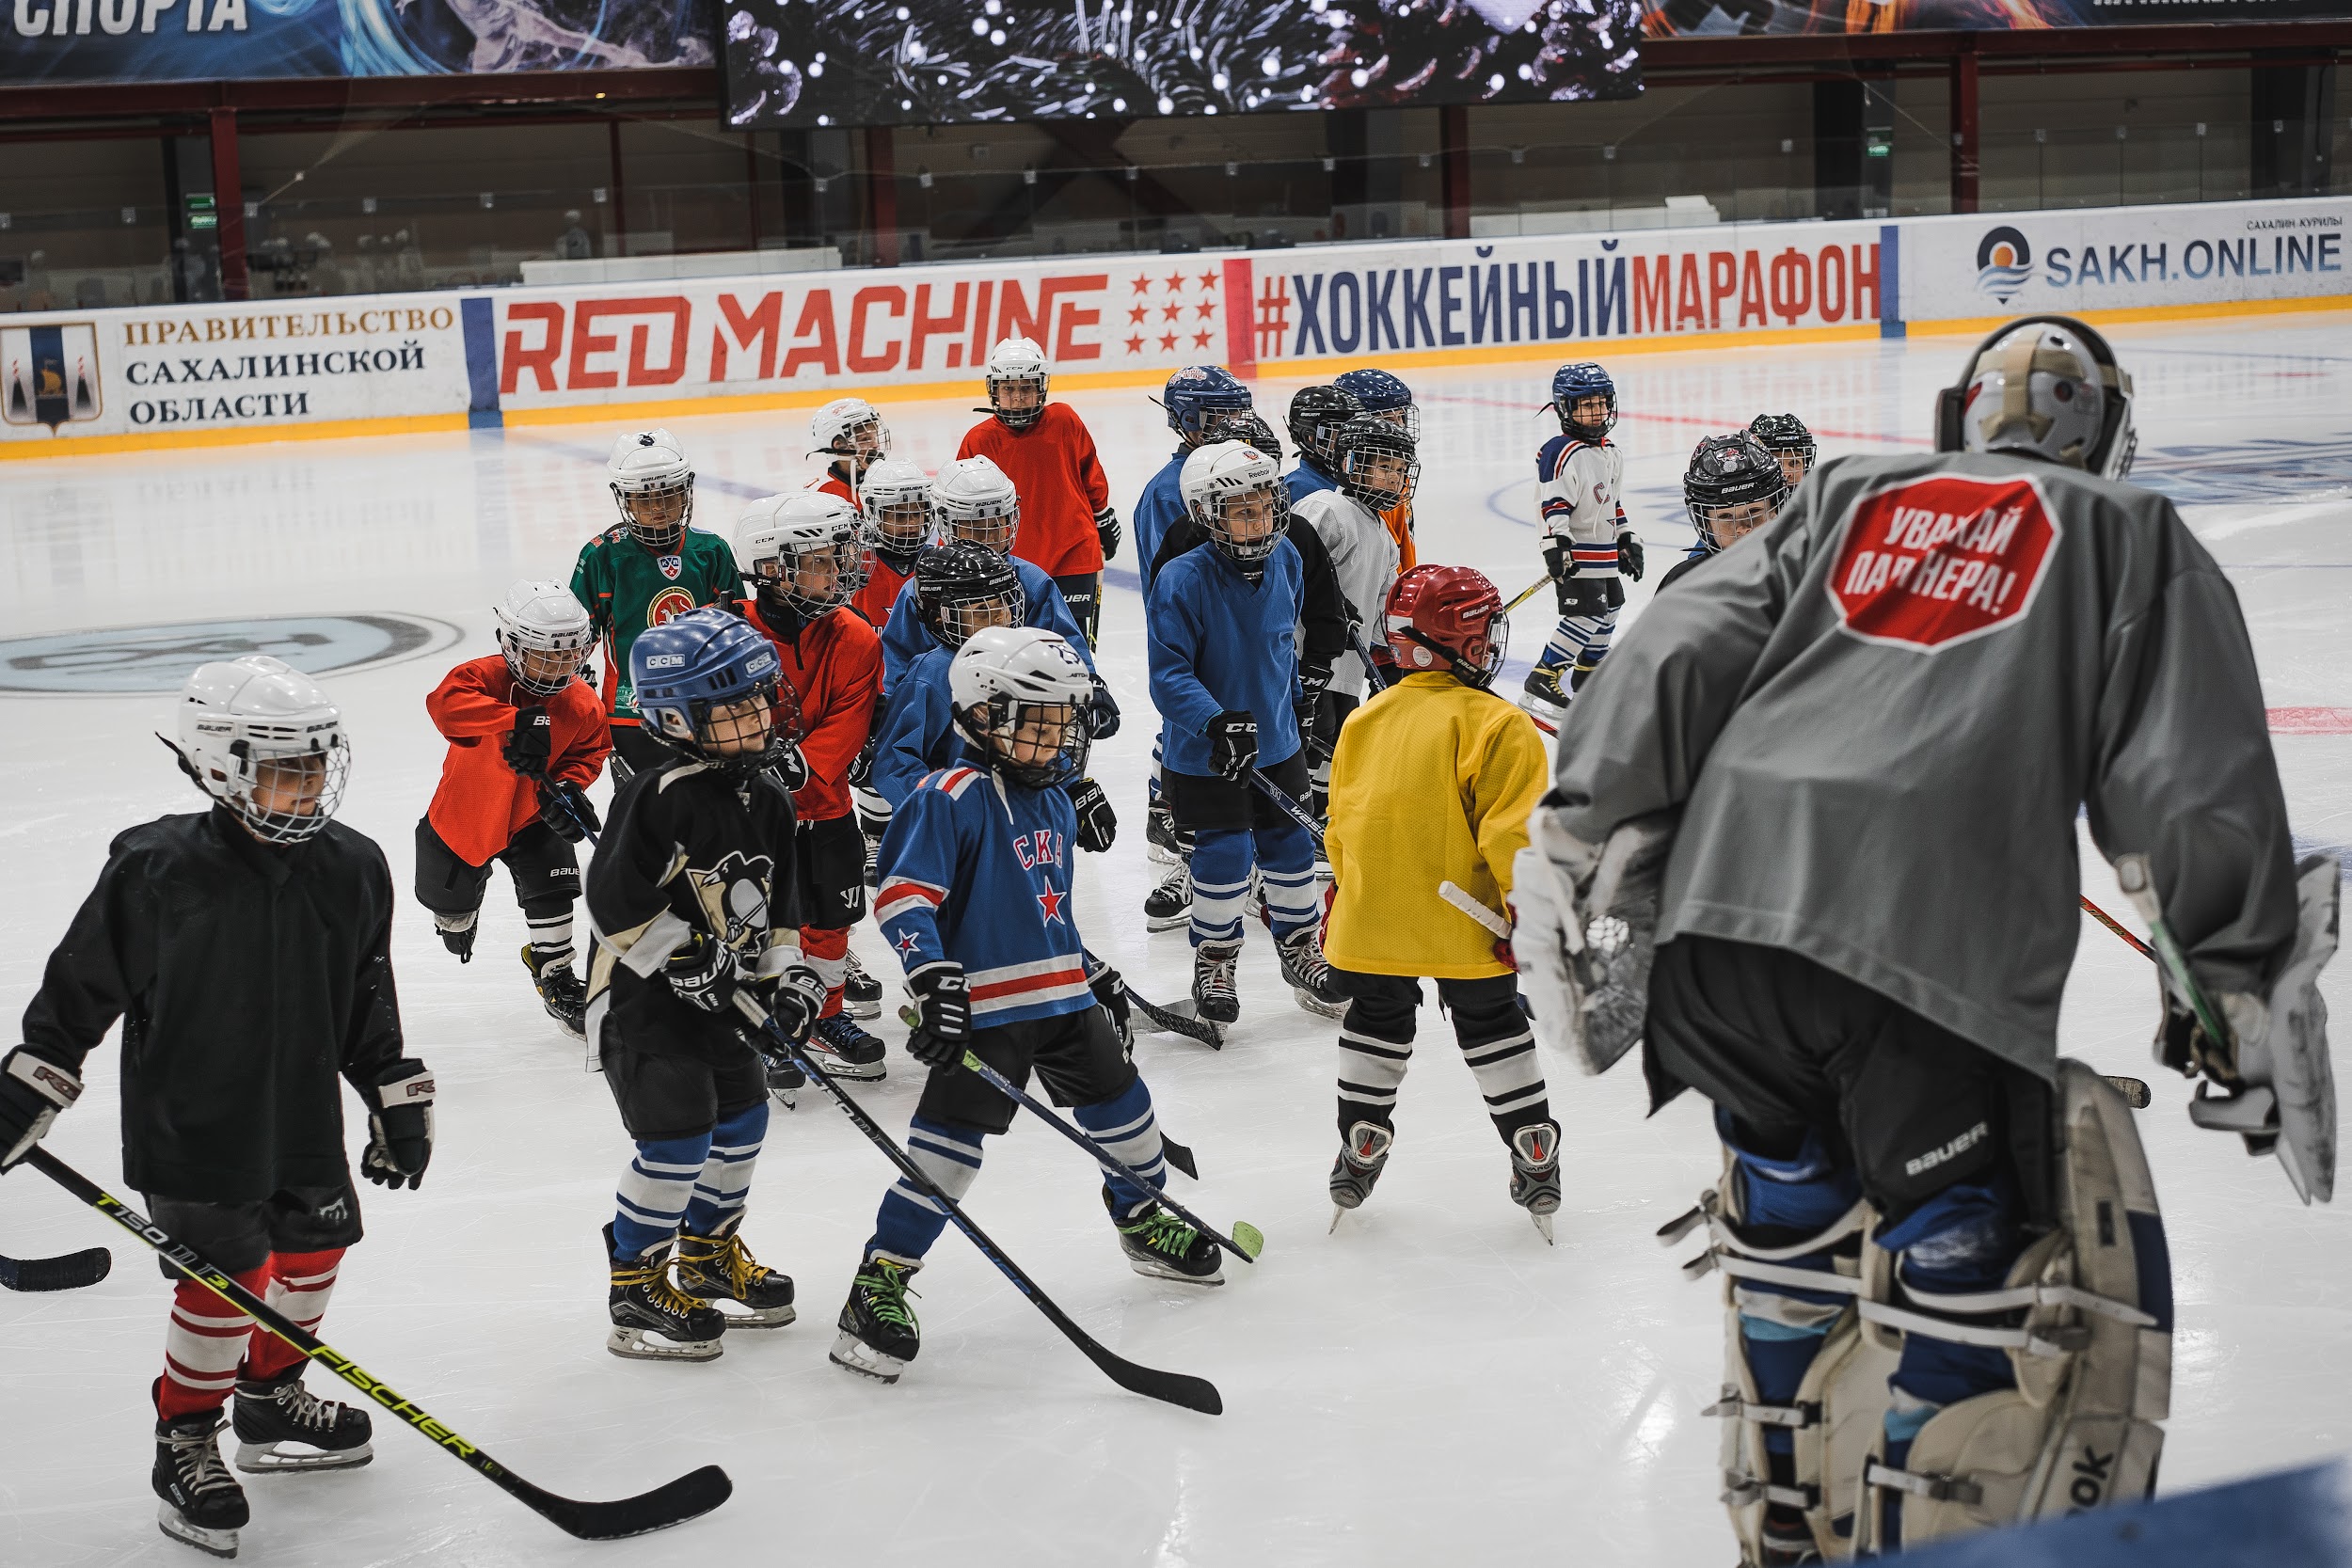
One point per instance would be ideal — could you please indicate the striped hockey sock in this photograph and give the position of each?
(1286, 875)
(727, 1173)
(1126, 1126)
(204, 1347)
(909, 1220)
(655, 1191)
(550, 939)
(301, 1284)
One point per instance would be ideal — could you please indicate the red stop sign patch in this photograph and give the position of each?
(1938, 561)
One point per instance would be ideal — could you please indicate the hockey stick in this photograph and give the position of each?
(1373, 676)
(2132, 872)
(1179, 1389)
(1455, 894)
(71, 1272)
(2110, 922)
(1175, 1022)
(1288, 807)
(1526, 594)
(687, 1498)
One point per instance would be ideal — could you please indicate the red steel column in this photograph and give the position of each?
(228, 203)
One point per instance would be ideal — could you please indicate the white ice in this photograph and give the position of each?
(1430, 1384)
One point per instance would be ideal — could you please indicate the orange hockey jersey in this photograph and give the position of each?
(835, 667)
(1052, 465)
(483, 804)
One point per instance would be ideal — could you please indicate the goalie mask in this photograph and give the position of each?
(2047, 387)
(263, 740)
(653, 484)
(1021, 698)
(1732, 487)
(1236, 493)
(545, 634)
(804, 553)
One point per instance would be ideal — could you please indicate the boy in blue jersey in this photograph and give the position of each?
(976, 896)
(1222, 627)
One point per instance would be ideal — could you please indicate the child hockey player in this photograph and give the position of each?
(691, 895)
(247, 950)
(526, 738)
(1430, 791)
(1376, 466)
(1587, 541)
(896, 502)
(806, 559)
(1069, 526)
(976, 896)
(1384, 396)
(1221, 623)
(651, 568)
(1786, 437)
(1732, 487)
(850, 435)
(1314, 418)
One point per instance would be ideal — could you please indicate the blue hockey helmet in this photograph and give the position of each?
(706, 660)
(1200, 398)
(1383, 394)
(1570, 383)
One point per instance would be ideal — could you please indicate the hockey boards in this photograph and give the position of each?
(73, 1272)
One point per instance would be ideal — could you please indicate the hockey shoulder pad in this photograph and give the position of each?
(1587, 931)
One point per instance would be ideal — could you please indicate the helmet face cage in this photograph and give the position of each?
(1202, 403)
(1018, 419)
(994, 528)
(1377, 468)
(861, 438)
(1056, 735)
(953, 617)
(1733, 485)
(545, 662)
(1786, 437)
(657, 510)
(1407, 418)
(1246, 524)
(898, 522)
(1251, 429)
(1315, 417)
(286, 780)
(812, 578)
(1573, 384)
(1385, 395)
(699, 727)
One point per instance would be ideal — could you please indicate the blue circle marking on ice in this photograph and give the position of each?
(150, 659)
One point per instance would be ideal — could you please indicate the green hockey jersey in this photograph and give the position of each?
(628, 588)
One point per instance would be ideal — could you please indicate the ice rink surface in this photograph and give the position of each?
(1432, 1384)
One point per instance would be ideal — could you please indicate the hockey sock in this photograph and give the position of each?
(550, 924)
(828, 954)
(1152, 788)
(300, 1282)
(909, 1220)
(1286, 875)
(1785, 1195)
(726, 1174)
(1125, 1126)
(1500, 1049)
(1221, 859)
(1376, 1048)
(204, 1347)
(1577, 640)
(654, 1193)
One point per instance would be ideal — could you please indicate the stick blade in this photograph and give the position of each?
(1179, 1156)
(1249, 1239)
(1179, 1019)
(72, 1272)
(1177, 1388)
(689, 1496)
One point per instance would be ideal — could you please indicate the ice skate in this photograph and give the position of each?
(848, 1052)
(1542, 695)
(1214, 998)
(1309, 976)
(1169, 905)
(202, 1503)
(1358, 1165)
(1159, 835)
(861, 993)
(280, 1425)
(1161, 1246)
(652, 1320)
(720, 1268)
(566, 998)
(879, 1334)
(1535, 1174)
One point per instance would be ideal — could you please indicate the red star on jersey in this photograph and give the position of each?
(1143, 285)
(1168, 341)
(907, 942)
(1208, 280)
(1049, 902)
(1135, 345)
(1201, 340)
(1175, 282)
(1136, 312)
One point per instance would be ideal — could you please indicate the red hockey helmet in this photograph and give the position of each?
(1448, 617)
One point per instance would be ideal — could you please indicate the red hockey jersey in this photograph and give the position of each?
(834, 667)
(481, 804)
(1052, 465)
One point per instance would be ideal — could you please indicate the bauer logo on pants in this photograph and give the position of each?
(1935, 561)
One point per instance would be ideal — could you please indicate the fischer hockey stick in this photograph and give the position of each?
(72, 1272)
(687, 1498)
(1192, 1393)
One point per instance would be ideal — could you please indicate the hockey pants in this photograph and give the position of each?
(1376, 1047)
(1283, 857)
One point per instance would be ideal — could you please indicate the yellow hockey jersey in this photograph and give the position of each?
(1432, 782)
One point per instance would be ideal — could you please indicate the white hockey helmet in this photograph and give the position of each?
(974, 499)
(852, 428)
(1016, 362)
(805, 549)
(1005, 678)
(262, 739)
(1236, 493)
(2047, 386)
(545, 633)
(896, 497)
(653, 484)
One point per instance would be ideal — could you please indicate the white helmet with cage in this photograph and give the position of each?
(1017, 361)
(974, 499)
(1016, 688)
(896, 498)
(653, 484)
(805, 550)
(545, 633)
(2048, 386)
(260, 738)
(850, 427)
(1236, 493)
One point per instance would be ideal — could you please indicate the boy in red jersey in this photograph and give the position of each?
(1069, 526)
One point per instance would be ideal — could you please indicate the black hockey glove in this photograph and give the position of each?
(1630, 554)
(1102, 713)
(1558, 560)
(459, 939)
(1098, 825)
(781, 763)
(527, 745)
(566, 808)
(33, 1090)
(1106, 531)
(702, 972)
(793, 999)
(1111, 992)
(862, 765)
(400, 1127)
(1313, 681)
(1234, 744)
(943, 1003)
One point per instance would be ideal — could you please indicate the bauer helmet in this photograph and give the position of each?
(1021, 697)
(2045, 386)
(849, 428)
(1449, 618)
(706, 685)
(1786, 437)
(1314, 418)
(1570, 386)
(973, 499)
(263, 739)
(1201, 401)
(653, 484)
(1385, 395)
(804, 553)
(1375, 462)
(1733, 487)
(545, 633)
(1016, 362)
(962, 588)
(1236, 493)
(897, 498)
(1252, 430)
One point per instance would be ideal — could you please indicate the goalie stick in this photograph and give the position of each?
(688, 1497)
(72, 1272)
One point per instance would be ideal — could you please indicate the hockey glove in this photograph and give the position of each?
(782, 765)
(1097, 823)
(1313, 681)
(1234, 744)
(1557, 559)
(566, 808)
(793, 999)
(1630, 554)
(527, 745)
(702, 972)
(33, 1090)
(943, 1003)
(400, 1127)
(1111, 992)
(862, 765)
(1102, 713)
(1107, 531)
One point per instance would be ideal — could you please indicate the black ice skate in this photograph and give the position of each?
(652, 1319)
(1541, 693)
(1159, 835)
(566, 998)
(1169, 905)
(1214, 997)
(202, 1503)
(1161, 1246)
(1361, 1159)
(281, 1425)
(1536, 1173)
(1309, 976)
(879, 1334)
(720, 1268)
(848, 1052)
(861, 993)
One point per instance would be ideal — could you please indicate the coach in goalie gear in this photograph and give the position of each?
(1814, 819)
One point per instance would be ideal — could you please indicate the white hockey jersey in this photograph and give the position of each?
(1579, 482)
(1364, 558)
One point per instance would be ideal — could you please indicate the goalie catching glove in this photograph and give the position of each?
(1587, 930)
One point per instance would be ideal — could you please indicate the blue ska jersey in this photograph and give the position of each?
(1219, 642)
(1158, 510)
(917, 734)
(905, 639)
(978, 871)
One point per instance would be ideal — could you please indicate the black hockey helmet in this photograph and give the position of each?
(1315, 416)
(1357, 446)
(1786, 435)
(1252, 430)
(961, 586)
(1729, 472)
